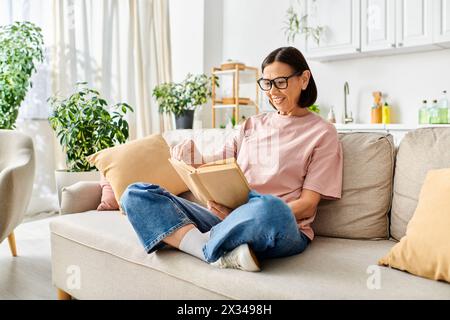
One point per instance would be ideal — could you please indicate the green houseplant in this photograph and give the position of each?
(21, 48)
(182, 98)
(84, 125)
(314, 108)
(297, 24)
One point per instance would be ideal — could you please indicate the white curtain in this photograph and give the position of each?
(120, 47)
(152, 62)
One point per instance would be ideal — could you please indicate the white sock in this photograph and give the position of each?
(193, 242)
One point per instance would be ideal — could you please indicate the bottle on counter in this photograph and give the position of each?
(331, 116)
(375, 115)
(444, 111)
(386, 113)
(434, 113)
(424, 117)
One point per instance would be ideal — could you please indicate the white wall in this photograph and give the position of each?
(253, 28)
(187, 37)
(406, 78)
(213, 31)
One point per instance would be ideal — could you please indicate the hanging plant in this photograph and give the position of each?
(297, 24)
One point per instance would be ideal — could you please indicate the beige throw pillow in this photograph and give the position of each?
(425, 250)
(362, 212)
(143, 160)
(420, 150)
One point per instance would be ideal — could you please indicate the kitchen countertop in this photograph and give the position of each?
(385, 127)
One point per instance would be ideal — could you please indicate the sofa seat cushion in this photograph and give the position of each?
(330, 268)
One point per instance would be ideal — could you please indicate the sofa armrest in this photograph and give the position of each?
(81, 196)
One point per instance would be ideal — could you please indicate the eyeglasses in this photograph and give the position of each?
(280, 82)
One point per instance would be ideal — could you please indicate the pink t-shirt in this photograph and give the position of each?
(282, 155)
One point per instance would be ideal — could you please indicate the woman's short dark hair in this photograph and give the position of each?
(293, 57)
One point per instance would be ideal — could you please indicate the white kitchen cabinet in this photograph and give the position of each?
(341, 21)
(414, 23)
(377, 25)
(361, 28)
(404, 24)
(442, 23)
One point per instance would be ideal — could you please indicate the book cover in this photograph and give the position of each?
(221, 181)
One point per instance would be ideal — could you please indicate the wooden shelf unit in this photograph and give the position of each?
(239, 102)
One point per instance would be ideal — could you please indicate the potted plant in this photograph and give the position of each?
(84, 125)
(181, 99)
(314, 108)
(21, 47)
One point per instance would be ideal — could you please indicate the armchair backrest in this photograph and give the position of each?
(17, 169)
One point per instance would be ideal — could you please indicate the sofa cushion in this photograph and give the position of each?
(80, 196)
(419, 151)
(143, 160)
(362, 212)
(425, 250)
(108, 201)
(330, 268)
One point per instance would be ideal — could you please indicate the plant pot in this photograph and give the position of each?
(65, 178)
(185, 120)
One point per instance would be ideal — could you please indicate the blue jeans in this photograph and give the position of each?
(266, 223)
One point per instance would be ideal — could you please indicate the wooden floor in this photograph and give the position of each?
(27, 276)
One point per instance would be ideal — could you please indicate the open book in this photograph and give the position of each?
(221, 181)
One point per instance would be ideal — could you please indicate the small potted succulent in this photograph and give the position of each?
(84, 124)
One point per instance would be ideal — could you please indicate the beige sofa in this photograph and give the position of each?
(97, 255)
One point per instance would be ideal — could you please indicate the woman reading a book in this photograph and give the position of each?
(291, 158)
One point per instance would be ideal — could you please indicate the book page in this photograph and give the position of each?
(218, 162)
(226, 186)
(181, 164)
(189, 176)
(198, 190)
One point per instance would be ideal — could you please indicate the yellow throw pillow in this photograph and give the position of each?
(143, 160)
(425, 249)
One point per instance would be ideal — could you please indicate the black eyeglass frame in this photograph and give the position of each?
(272, 82)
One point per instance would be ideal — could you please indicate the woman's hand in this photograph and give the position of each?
(187, 151)
(219, 210)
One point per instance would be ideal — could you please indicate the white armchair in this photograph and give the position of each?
(17, 169)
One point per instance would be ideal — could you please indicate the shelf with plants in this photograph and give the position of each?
(237, 85)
